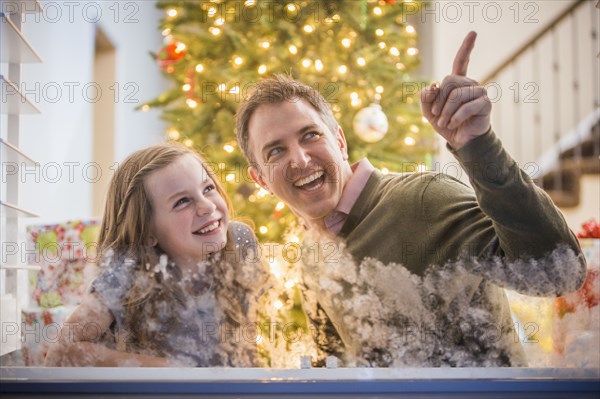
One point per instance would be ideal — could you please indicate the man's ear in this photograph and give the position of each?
(257, 177)
(342, 142)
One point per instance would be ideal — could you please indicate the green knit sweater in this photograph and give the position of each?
(458, 245)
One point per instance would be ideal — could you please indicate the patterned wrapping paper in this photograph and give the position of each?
(65, 252)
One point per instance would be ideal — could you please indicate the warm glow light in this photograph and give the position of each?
(381, 45)
(422, 168)
(188, 143)
(410, 29)
(214, 31)
(166, 32)
(346, 42)
(289, 284)
(275, 268)
(293, 49)
(278, 304)
(306, 63)
(384, 171)
(280, 205)
(186, 87)
(173, 134)
(318, 65)
(238, 60)
(265, 44)
(228, 148)
(262, 69)
(354, 95)
(222, 87)
(234, 90)
(379, 32)
(230, 177)
(412, 51)
(400, 66)
(145, 107)
(250, 3)
(212, 11)
(361, 61)
(191, 103)
(356, 102)
(414, 128)
(377, 11)
(263, 229)
(409, 140)
(261, 193)
(308, 29)
(172, 12)
(343, 69)
(394, 51)
(180, 47)
(199, 68)
(291, 7)
(219, 21)
(425, 120)
(379, 89)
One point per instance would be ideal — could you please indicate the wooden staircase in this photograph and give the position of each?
(564, 183)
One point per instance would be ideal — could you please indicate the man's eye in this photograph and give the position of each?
(274, 151)
(311, 135)
(181, 201)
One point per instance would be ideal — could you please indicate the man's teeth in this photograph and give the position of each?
(309, 179)
(209, 228)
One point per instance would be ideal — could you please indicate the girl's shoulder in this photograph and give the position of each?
(242, 235)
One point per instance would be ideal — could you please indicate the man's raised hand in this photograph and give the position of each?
(459, 108)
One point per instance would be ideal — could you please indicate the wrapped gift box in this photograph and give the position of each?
(577, 321)
(65, 252)
(563, 331)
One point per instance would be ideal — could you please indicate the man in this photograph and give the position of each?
(506, 233)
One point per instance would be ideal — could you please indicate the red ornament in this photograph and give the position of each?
(173, 51)
(170, 55)
(390, 1)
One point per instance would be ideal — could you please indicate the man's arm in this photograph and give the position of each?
(539, 253)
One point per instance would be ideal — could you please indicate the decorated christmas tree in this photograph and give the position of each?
(358, 53)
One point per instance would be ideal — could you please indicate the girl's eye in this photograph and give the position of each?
(209, 188)
(181, 201)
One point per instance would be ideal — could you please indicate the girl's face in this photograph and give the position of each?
(189, 218)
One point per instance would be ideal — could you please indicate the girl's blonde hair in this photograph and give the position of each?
(126, 231)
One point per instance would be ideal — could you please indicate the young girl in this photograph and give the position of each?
(178, 281)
